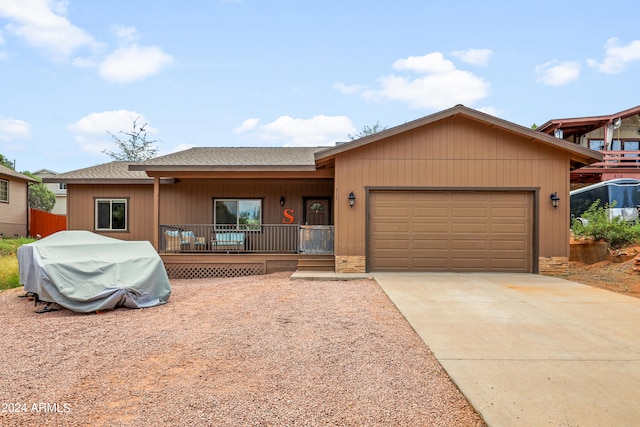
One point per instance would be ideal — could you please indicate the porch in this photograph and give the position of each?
(615, 164)
(192, 251)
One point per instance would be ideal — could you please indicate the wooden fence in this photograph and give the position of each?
(44, 223)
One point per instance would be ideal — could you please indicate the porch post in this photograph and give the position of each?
(156, 211)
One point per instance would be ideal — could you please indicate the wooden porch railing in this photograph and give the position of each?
(618, 159)
(209, 238)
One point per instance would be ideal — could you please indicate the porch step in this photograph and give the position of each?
(317, 264)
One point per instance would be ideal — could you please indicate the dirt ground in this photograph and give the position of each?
(616, 276)
(247, 351)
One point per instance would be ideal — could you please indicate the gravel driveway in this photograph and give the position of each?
(261, 350)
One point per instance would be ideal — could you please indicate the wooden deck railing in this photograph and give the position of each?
(209, 238)
(618, 159)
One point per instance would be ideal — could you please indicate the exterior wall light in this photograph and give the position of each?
(281, 200)
(554, 200)
(352, 199)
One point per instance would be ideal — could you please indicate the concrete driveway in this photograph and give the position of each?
(529, 350)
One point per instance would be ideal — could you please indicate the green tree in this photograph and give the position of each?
(6, 162)
(137, 147)
(40, 197)
(368, 130)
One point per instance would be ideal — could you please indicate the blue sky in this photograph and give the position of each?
(294, 73)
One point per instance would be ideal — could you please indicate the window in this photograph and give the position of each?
(62, 186)
(238, 213)
(111, 214)
(317, 207)
(4, 191)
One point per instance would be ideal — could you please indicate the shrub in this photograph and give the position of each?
(599, 226)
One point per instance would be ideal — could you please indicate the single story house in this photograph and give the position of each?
(616, 136)
(14, 202)
(458, 190)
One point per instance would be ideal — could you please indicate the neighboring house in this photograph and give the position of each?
(14, 203)
(458, 190)
(57, 188)
(616, 136)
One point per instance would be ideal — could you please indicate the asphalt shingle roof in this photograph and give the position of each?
(237, 156)
(117, 171)
(11, 173)
(201, 158)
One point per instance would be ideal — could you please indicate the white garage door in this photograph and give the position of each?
(450, 231)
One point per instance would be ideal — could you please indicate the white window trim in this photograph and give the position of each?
(111, 201)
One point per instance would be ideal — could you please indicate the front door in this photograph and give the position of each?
(317, 212)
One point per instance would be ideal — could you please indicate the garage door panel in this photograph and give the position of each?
(508, 228)
(469, 227)
(516, 213)
(469, 212)
(392, 244)
(391, 212)
(467, 244)
(391, 227)
(436, 244)
(430, 227)
(450, 231)
(508, 245)
(430, 263)
(468, 264)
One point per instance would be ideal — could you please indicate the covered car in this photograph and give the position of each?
(86, 272)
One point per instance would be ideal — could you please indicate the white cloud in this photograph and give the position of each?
(92, 131)
(441, 84)
(617, 57)
(432, 63)
(246, 126)
(554, 73)
(42, 24)
(12, 129)
(348, 89)
(474, 56)
(317, 131)
(132, 63)
(125, 33)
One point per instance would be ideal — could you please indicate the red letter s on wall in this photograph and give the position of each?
(288, 216)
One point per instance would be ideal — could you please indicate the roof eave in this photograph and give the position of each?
(555, 123)
(225, 168)
(125, 181)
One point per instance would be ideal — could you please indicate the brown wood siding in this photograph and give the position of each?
(451, 231)
(13, 215)
(455, 152)
(81, 208)
(190, 201)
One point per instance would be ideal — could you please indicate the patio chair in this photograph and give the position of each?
(189, 239)
(172, 238)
